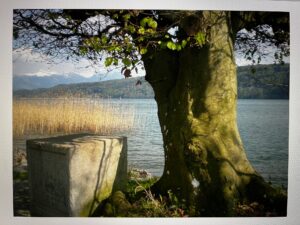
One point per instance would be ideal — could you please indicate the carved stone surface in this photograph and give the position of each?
(70, 175)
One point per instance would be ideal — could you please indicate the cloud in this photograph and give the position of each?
(28, 62)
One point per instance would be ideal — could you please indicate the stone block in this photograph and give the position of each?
(70, 175)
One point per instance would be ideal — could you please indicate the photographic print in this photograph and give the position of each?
(150, 113)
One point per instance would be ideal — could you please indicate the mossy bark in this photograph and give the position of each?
(196, 94)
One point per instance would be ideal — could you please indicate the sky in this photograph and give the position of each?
(28, 62)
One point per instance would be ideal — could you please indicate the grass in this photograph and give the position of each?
(144, 203)
(139, 201)
(67, 116)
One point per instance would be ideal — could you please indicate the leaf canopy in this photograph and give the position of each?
(125, 36)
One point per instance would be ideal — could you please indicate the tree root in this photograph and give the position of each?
(273, 199)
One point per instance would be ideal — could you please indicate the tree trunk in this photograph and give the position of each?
(196, 93)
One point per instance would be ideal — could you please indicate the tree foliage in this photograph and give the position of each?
(121, 37)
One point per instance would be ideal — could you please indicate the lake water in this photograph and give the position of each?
(263, 125)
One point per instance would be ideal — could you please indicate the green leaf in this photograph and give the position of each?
(150, 31)
(118, 48)
(126, 17)
(141, 30)
(148, 21)
(96, 39)
(115, 16)
(116, 62)
(141, 39)
(163, 44)
(171, 45)
(83, 50)
(183, 43)
(143, 51)
(178, 47)
(108, 61)
(129, 47)
(87, 42)
(104, 39)
(200, 38)
(126, 40)
(126, 62)
(53, 15)
(131, 29)
(152, 23)
(144, 21)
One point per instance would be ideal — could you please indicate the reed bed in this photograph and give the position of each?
(67, 116)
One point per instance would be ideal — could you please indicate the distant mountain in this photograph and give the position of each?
(34, 82)
(122, 88)
(262, 81)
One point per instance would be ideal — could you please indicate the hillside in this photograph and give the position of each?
(34, 82)
(268, 81)
(264, 81)
(122, 88)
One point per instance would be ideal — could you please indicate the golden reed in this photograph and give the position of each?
(52, 116)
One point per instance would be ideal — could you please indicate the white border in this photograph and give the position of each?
(6, 202)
